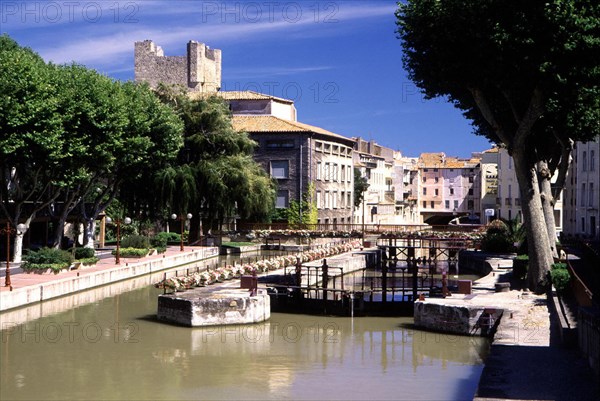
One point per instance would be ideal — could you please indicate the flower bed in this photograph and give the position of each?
(208, 277)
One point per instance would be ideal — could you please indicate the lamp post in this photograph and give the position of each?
(118, 222)
(181, 218)
(8, 230)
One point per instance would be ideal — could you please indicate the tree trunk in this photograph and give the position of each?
(59, 230)
(547, 199)
(540, 255)
(89, 229)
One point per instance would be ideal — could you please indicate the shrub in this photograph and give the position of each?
(496, 242)
(89, 261)
(520, 266)
(136, 241)
(131, 252)
(560, 279)
(84, 253)
(170, 236)
(160, 242)
(47, 258)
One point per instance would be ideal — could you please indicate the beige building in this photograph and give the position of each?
(406, 187)
(508, 202)
(489, 184)
(449, 189)
(376, 164)
(581, 196)
(298, 154)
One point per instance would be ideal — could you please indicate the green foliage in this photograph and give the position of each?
(496, 243)
(67, 131)
(47, 258)
(131, 252)
(309, 208)
(360, 186)
(161, 240)
(89, 261)
(136, 241)
(83, 253)
(561, 278)
(214, 171)
(520, 266)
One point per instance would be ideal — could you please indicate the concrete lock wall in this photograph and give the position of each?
(195, 309)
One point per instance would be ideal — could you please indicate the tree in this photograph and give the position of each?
(214, 175)
(305, 212)
(70, 136)
(526, 74)
(361, 185)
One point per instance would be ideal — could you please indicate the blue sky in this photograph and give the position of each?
(339, 60)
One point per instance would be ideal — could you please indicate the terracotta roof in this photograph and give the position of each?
(240, 95)
(266, 123)
(440, 160)
(495, 149)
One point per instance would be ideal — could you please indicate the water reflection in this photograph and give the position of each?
(115, 349)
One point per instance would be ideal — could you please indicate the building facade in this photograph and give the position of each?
(376, 164)
(581, 196)
(305, 160)
(449, 188)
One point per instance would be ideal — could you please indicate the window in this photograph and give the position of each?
(509, 190)
(334, 200)
(436, 179)
(471, 179)
(326, 171)
(592, 160)
(456, 204)
(424, 204)
(319, 200)
(435, 170)
(319, 171)
(510, 163)
(582, 194)
(447, 204)
(591, 195)
(282, 199)
(437, 192)
(280, 144)
(471, 204)
(349, 200)
(451, 191)
(432, 206)
(425, 170)
(424, 179)
(335, 173)
(584, 161)
(424, 191)
(583, 224)
(342, 199)
(349, 174)
(343, 173)
(280, 169)
(470, 191)
(327, 200)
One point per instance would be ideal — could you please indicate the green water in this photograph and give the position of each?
(113, 348)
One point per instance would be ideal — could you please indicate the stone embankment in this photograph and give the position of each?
(32, 288)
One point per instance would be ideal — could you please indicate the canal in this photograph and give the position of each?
(111, 347)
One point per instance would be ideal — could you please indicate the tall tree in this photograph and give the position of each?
(214, 175)
(526, 74)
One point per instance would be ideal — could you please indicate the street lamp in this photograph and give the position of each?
(181, 218)
(126, 220)
(8, 230)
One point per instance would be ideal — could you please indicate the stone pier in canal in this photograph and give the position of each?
(224, 306)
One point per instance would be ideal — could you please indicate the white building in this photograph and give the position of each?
(508, 202)
(581, 191)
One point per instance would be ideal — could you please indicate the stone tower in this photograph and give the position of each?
(199, 71)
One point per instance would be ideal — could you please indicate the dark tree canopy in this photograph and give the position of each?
(526, 74)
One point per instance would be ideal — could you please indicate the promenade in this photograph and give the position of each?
(27, 289)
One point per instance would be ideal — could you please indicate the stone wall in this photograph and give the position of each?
(195, 308)
(198, 71)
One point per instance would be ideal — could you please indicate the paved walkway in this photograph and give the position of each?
(526, 360)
